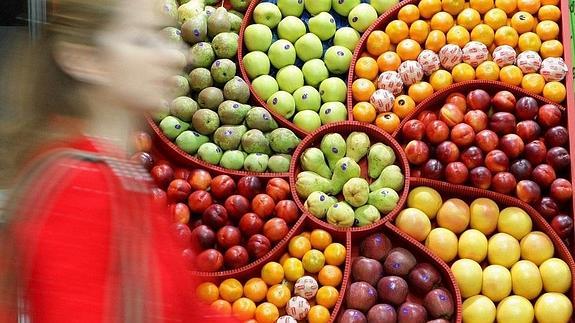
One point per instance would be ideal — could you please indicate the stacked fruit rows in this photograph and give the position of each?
(361, 161)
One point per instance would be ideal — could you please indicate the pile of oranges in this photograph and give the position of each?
(523, 25)
(311, 255)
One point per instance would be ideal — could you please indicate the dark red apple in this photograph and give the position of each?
(451, 114)
(352, 316)
(417, 152)
(215, 216)
(228, 236)
(497, 161)
(263, 205)
(504, 101)
(528, 191)
(463, 134)
(427, 117)
(250, 224)
(180, 213)
(502, 123)
(142, 141)
(399, 262)
(543, 175)
(367, 270)
(477, 119)
(189, 258)
(237, 205)
(487, 140)
(556, 137)
(561, 190)
(275, 229)
(423, 278)
(562, 224)
(199, 201)
(535, 152)
(413, 130)
(182, 173)
(278, 189)
(287, 210)
(178, 190)
(222, 186)
(478, 100)
(526, 108)
(503, 182)
(439, 303)
(558, 158)
(183, 234)
(549, 115)
(258, 245)
(144, 159)
(548, 208)
(432, 169)
(447, 152)
(521, 169)
(360, 296)
(236, 257)
(392, 290)
(472, 157)
(200, 179)
(375, 246)
(456, 173)
(458, 99)
(162, 175)
(410, 312)
(159, 196)
(382, 313)
(437, 131)
(203, 237)
(512, 145)
(528, 130)
(249, 186)
(209, 261)
(480, 177)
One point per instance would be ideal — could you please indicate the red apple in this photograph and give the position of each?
(415, 173)
(250, 224)
(477, 119)
(487, 140)
(182, 233)
(512, 145)
(433, 169)
(258, 245)
(561, 190)
(215, 216)
(222, 186)
(144, 159)
(562, 224)
(203, 237)
(162, 175)
(237, 205)
(199, 201)
(456, 173)
(543, 175)
(287, 210)
(558, 158)
(502, 123)
(478, 100)
(535, 152)
(263, 205)
(178, 190)
(228, 236)
(417, 152)
(451, 114)
(548, 208)
(182, 173)
(503, 182)
(528, 191)
(472, 157)
(457, 99)
(549, 115)
(195, 223)
(480, 177)
(463, 134)
(497, 161)
(437, 131)
(526, 108)
(556, 137)
(249, 186)
(210, 260)
(521, 169)
(159, 196)
(142, 141)
(275, 229)
(447, 152)
(200, 179)
(236, 257)
(278, 189)
(180, 213)
(413, 130)
(528, 130)
(504, 101)
(427, 117)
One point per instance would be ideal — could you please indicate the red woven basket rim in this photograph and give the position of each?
(345, 127)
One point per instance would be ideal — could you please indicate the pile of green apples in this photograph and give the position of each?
(315, 93)
(333, 170)
(210, 116)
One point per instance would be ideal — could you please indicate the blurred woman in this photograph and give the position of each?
(82, 238)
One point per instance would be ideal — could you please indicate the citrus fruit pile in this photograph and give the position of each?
(303, 285)
(433, 44)
(495, 256)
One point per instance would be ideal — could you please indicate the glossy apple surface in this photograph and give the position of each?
(413, 130)
(535, 152)
(417, 152)
(521, 169)
(487, 140)
(502, 123)
(478, 100)
(497, 161)
(180, 213)
(287, 210)
(526, 108)
(426, 117)
(528, 191)
(275, 229)
(463, 134)
(562, 224)
(432, 169)
(504, 101)
(561, 190)
(548, 208)
(472, 157)
(480, 177)
(144, 159)
(178, 190)
(249, 186)
(437, 131)
(457, 99)
(203, 237)
(456, 173)
(558, 158)
(162, 175)
(503, 182)
(237, 205)
(250, 224)
(512, 145)
(447, 152)
(215, 216)
(477, 119)
(263, 205)
(209, 261)
(222, 186)
(199, 201)
(200, 179)
(258, 245)
(278, 189)
(228, 236)
(236, 257)
(549, 115)
(451, 114)
(528, 130)
(543, 175)
(556, 137)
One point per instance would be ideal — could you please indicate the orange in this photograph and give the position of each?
(298, 246)
(222, 307)
(267, 313)
(397, 31)
(555, 91)
(551, 48)
(452, 7)
(508, 6)
(231, 289)
(244, 309)
(278, 295)
(419, 30)
(207, 292)
(255, 289)
(551, 2)
(511, 74)
(482, 6)
(531, 6)
(388, 61)
(506, 36)
(440, 79)
(522, 22)
(334, 254)
(284, 257)
(442, 21)
(408, 49)
(327, 296)
(427, 8)
(536, 22)
(483, 33)
(549, 12)
(330, 276)
(378, 42)
(547, 30)
(272, 273)
(435, 40)
(469, 18)
(403, 106)
(408, 13)
(366, 67)
(318, 314)
(305, 234)
(362, 89)
(320, 239)
(293, 269)
(388, 121)
(419, 91)
(463, 72)
(313, 261)
(495, 18)
(533, 82)
(364, 112)
(458, 35)
(487, 70)
(529, 41)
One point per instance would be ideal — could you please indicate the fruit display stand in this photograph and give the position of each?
(439, 302)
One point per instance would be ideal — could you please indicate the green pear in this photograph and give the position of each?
(333, 148)
(210, 153)
(312, 159)
(195, 29)
(235, 22)
(161, 112)
(190, 141)
(366, 215)
(173, 127)
(390, 177)
(179, 86)
(384, 199)
(283, 141)
(229, 137)
(343, 7)
(356, 191)
(201, 55)
(232, 112)
(205, 121)
(240, 5)
(379, 157)
(322, 25)
(223, 70)
(174, 36)
(256, 162)
(344, 170)
(308, 182)
(291, 7)
(291, 28)
(183, 108)
(357, 145)
(210, 98)
(254, 141)
(317, 203)
(168, 8)
(209, 10)
(218, 22)
(232, 159)
(225, 45)
(190, 9)
(279, 163)
(264, 86)
(236, 89)
(260, 118)
(341, 215)
(200, 78)
(283, 103)
(332, 112)
(346, 37)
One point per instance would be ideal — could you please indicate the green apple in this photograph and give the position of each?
(308, 47)
(268, 14)
(290, 78)
(346, 37)
(314, 71)
(333, 89)
(257, 37)
(332, 112)
(361, 17)
(323, 25)
(240, 5)
(283, 103)
(307, 98)
(256, 64)
(291, 7)
(337, 59)
(282, 53)
(343, 7)
(265, 86)
(307, 120)
(382, 6)
(314, 7)
(291, 28)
